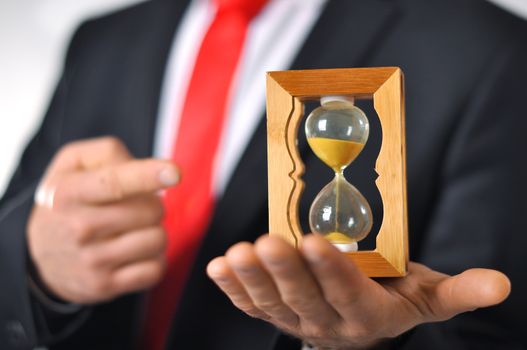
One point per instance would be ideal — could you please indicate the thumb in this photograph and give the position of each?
(470, 290)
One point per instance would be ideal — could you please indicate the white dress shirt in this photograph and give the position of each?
(273, 40)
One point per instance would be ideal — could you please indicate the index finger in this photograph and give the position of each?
(116, 182)
(89, 154)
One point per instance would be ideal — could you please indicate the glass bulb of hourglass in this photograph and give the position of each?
(337, 132)
(341, 214)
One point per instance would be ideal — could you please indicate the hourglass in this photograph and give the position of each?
(336, 132)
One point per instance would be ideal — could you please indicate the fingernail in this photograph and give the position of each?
(169, 176)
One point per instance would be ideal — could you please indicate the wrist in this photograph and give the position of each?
(48, 300)
(44, 296)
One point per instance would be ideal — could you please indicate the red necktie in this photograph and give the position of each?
(189, 205)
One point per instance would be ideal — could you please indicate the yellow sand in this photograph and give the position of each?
(335, 153)
(337, 237)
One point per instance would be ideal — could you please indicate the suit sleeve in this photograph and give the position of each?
(480, 209)
(22, 317)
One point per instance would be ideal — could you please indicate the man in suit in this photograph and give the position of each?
(76, 259)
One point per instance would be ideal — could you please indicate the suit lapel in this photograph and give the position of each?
(331, 44)
(146, 67)
(346, 42)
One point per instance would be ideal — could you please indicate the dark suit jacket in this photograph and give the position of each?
(465, 63)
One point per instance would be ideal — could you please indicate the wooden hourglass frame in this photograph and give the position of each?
(287, 91)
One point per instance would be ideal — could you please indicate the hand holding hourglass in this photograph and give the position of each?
(302, 284)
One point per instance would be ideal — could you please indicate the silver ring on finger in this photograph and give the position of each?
(45, 195)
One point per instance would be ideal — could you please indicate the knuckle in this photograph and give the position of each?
(112, 144)
(151, 209)
(160, 239)
(270, 305)
(241, 301)
(67, 150)
(243, 304)
(98, 285)
(158, 270)
(255, 313)
(248, 307)
(153, 276)
(109, 180)
(65, 190)
(345, 299)
(91, 259)
(79, 229)
(304, 302)
(162, 267)
(157, 209)
(319, 332)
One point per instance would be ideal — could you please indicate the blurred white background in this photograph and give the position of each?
(33, 36)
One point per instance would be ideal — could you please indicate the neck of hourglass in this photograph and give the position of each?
(339, 173)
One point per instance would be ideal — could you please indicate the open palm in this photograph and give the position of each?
(318, 295)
